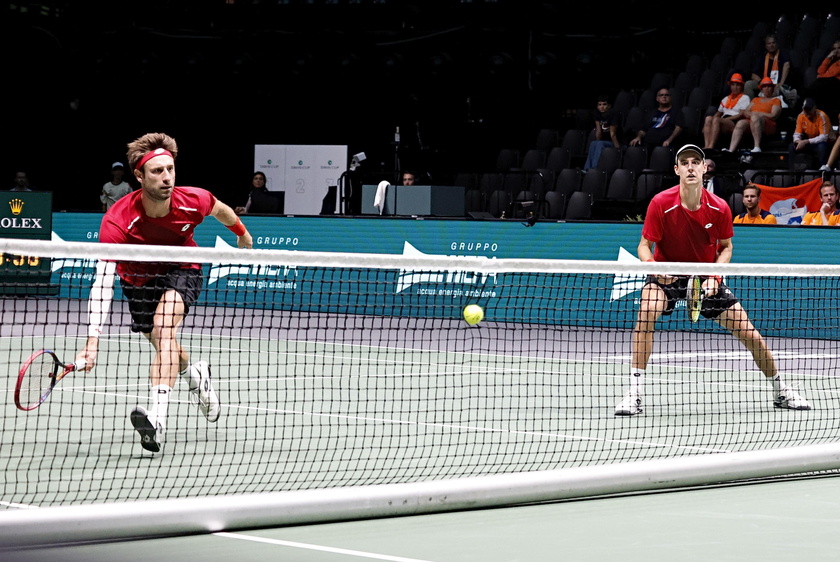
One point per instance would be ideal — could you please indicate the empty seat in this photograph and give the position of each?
(541, 181)
(533, 160)
(635, 158)
(498, 204)
(575, 141)
(547, 139)
(594, 183)
(610, 160)
(514, 182)
(554, 205)
(467, 180)
(568, 181)
(559, 158)
(507, 159)
(648, 184)
(473, 201)
(489, 182)
(661, 159)
(579, 206)
(621, 185)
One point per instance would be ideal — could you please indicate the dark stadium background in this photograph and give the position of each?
(83, 79)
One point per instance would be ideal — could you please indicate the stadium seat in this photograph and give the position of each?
(568, 181)
(594, 183)
(558, 159)
(579, 206)
(554, 205)
(498, 204)
(621, 185)
(610, 160)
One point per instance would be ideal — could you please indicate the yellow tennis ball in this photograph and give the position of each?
(473, 314)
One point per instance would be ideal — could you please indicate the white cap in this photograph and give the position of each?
(689, 148)
(117, 165)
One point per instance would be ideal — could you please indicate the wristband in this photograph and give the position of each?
(717, 278)
(237, 228)
(650, 259)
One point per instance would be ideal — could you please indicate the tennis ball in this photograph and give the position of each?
(473, 314)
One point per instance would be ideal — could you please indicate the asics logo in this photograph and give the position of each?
(709, 225)
(187, 226)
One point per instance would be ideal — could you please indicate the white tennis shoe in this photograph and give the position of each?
(203, 395)
(630, 405)
(790, 399)
(150, 430)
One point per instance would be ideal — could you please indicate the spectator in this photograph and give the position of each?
(606, 132)
(753, 213)
(827, 214)
(409, 178)
(258, 193)
(826, 88)
(729, 112)
(664, 124)
(760, 117)
(21, 182)
(773, 64)
(710, 182)
(812, 134)
(116, 188)
(835, 153)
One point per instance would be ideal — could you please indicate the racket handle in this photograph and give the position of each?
(79, 365)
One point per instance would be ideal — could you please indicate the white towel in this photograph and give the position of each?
(379, 199)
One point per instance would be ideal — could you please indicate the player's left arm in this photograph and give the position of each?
(226, 215)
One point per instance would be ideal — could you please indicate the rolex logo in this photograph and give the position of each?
(17, 206)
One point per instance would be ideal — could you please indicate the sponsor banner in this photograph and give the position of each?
(611, 300)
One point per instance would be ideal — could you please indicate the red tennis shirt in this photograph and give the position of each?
(126, 222)
(683, 235)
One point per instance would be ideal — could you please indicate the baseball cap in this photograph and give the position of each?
(736, 78)
(809, 104)
(766, 81)
(117, 165)
(689, 148)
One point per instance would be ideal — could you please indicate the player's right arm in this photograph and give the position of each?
(99, 307)
(645, 250)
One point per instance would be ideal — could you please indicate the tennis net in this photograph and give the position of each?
(351, 370)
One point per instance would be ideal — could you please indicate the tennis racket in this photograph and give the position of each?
(694, 298)
(38, 376)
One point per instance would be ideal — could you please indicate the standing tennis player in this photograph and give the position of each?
(686, 223)
(159, 295)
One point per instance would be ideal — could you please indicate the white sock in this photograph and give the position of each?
(160, 402)
(637, 377)
(778, 385)
(187, 376)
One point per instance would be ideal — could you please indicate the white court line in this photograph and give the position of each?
(371, 555)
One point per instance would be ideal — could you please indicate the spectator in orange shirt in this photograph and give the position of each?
(753, 213)
(828, 214)
(826, 88)
(835, 153)
(812, 134)
(760, 116)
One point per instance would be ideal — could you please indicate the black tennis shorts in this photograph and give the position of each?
(712, 306)
(143, 300)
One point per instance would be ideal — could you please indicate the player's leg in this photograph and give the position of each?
(735, 319)
(654, 301)
(168, 315)
(189, 283)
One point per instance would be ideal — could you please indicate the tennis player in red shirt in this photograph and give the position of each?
(686, 223)
(159, 295)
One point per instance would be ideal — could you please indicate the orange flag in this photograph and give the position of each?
(789, 204)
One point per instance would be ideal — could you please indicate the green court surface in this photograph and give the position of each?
(793, 519)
